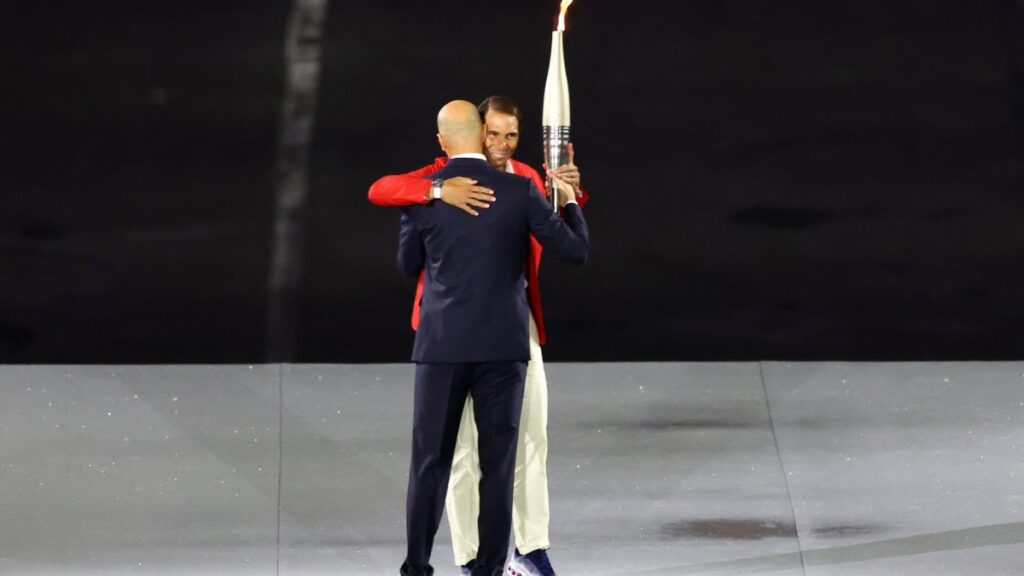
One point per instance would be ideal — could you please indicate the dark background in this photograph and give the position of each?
(798, 180)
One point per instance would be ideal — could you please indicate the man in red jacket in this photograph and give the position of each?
(531, 512)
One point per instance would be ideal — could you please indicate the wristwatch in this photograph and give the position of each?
(435, 189)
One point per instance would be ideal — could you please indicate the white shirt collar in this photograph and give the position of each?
(508, 166)
(472, 155)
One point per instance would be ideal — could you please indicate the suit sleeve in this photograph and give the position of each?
(411, 252)
(568, 238)
(403, 189)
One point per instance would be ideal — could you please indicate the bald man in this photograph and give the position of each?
(473, 337)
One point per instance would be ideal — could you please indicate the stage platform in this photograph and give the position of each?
(816, 469)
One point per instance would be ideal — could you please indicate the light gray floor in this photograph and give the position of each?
(656, 469)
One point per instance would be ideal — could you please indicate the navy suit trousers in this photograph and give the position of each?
(441, 389)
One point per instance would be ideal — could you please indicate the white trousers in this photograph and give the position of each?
(530, 509)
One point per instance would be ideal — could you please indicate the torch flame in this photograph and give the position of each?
(561, 15)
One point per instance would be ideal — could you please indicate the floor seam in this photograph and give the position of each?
(782, 467)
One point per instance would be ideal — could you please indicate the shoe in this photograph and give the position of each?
(467, 570)
(535, 563)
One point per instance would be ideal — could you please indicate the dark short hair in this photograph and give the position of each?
(500, 104)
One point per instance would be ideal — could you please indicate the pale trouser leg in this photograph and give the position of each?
(530, 508)
(463, 500)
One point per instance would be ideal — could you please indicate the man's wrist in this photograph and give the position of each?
(435, 189)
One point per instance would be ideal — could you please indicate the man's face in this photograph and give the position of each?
(501, 136)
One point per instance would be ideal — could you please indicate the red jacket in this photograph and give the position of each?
(414, 188)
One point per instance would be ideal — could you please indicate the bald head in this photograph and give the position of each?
(459, 129)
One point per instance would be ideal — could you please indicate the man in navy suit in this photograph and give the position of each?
(473, 336)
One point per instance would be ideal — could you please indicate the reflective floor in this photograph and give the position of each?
(655, 469)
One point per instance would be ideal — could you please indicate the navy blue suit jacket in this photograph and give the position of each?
(474, 306)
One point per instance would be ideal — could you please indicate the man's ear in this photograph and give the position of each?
(441, 143)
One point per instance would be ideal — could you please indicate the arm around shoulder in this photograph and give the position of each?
(403, 189)
(399, 190)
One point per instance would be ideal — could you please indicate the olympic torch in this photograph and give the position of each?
(556, 108)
